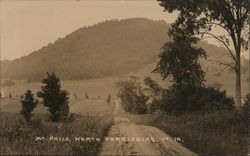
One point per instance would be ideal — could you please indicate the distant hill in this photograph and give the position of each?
(110, 48)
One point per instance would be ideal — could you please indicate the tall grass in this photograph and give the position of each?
(223, 133)
(18, 137)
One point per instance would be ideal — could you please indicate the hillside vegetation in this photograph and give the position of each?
(105, 49)
(110, 48)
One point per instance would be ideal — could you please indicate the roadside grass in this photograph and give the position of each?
(18, 137)
(222, 133)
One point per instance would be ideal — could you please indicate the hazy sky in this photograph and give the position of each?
(28, 25)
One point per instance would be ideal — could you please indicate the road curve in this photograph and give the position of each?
(127, 138)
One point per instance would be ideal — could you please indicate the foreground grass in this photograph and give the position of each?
(18, 137)
(215, 134)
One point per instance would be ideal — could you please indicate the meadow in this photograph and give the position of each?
(18, 137)
(217, 133)
(92, 119)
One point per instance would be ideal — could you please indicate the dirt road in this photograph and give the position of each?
(127, 138)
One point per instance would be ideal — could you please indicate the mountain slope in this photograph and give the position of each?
(105, 49)
(110, 48)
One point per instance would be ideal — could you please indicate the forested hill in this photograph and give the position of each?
(109, 48)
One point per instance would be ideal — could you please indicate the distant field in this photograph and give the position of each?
(91, 106)
(226, 78)
(95, 120)
(94, 88)
(97, 90)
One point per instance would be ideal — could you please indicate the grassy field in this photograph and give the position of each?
(222, 133)
(211, 134)
(59, 138)
(94, 88)
(93, 120)
(97, 90)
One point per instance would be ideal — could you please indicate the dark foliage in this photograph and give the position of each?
(10, 95)
(196, 99)
(155, 94)
(246, 107)
(133, 98)
(86, 95)
(108, 98)
(154, 89)
(179, 61)
(54, 98)
(199, 17)
(28, 105)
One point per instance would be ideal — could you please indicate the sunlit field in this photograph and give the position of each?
(18, 137)
(93, 119)
(94, 88)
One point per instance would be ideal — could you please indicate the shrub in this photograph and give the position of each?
(246, 107)
(155, 94)
(132, 96)
(159, 104)
(139, 106)
(54, 98)
(108, 98)
(86, 95)
(10, 95)
(196, 99)
(28, 105)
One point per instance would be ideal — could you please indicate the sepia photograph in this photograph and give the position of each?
(125, 77)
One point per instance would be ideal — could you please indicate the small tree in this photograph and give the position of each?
(28, 105)
(179, 61)
(109, 99)
(132, 96)
(10, 95)
(54, 98)
(75, 95)
(86, 95)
